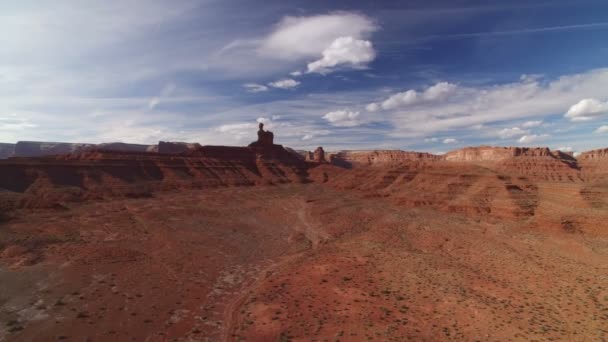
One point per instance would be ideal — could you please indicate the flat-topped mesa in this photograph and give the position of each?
(378, 157)
(6, 150)
(492, 154)
(173, 147)
(538, 163)
(594, 155)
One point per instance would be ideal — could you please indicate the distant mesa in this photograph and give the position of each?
(176, 147)
(6, 150)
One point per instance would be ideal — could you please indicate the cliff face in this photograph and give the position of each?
(378, 157)
(39, 148)
(176, 147)
(490, 153)
(42, 181)
(6, 150)
(599, 155)
(539, 163)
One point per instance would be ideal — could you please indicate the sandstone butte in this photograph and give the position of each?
(180, 241)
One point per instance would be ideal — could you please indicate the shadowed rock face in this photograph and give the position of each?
(176, 147)
(6, 150)
(38, 148)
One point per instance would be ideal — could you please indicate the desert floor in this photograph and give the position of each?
(293, 262)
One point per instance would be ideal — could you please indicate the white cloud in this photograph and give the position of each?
(286, 83)
(531, 124)
(602, 129)
(308, 137)
(12, 122)
(295, 38)
(565, 149)
(344, 51)
(587, 109)
(507, 133)
(532, 138)
(464, 107)
(255, 88)
(167, 91)
(343, 118)
(295, 73)
(437, 92)
(450, 141)
(431, 140)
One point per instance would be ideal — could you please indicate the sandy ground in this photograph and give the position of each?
(295, 262)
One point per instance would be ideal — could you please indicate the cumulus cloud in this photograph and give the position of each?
(532, 138)
(344, 51)
(602, 129)
(286, 83)
(295, 38)
(565, 149)
(531, 124)
(343, 118)
(255, 88)
(450, 141)
(587, 109)
(507, 133)
(437, 92)
(463, 107)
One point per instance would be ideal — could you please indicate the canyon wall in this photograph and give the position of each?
(377, 157)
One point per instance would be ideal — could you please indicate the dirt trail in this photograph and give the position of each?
(313, 232)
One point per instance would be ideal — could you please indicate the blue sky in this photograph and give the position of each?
(412, 75)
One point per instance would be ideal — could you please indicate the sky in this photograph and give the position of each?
(412, 75)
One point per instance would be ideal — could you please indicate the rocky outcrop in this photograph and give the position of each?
(378, 157)
(6, 150)
(318, 156)
(265, 138)
(176, 147)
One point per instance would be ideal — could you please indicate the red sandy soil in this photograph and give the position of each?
(420, 250)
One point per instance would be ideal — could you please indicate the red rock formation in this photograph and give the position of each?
(378, 157)
(540, 162)
(318, 156)
(96, 173)
(265, 138)
(491, 153)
